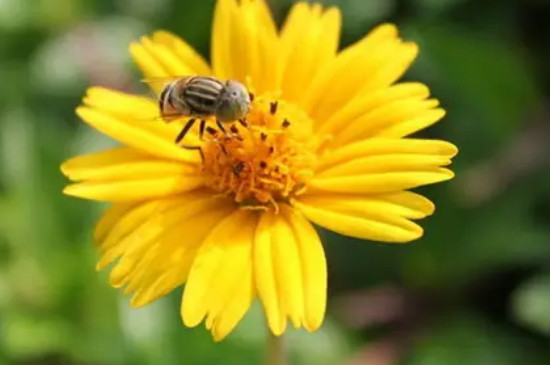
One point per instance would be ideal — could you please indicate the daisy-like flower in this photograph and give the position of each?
(325, 141)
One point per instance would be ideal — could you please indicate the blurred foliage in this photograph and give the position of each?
(474, 290)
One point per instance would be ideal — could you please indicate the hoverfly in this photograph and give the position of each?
(201, 97)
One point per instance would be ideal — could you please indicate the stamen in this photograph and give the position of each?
(238, 168)
(273, 106)
(220, 126)
(265, 163)
(201, 129)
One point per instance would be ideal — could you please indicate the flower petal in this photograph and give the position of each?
(385, 146)
(389, 116)
(374, 62)
(220, 270)
(112, 229)
(379, 218)
(187, 55)
(118, 116)
(154, 217)
(221, 46)
(309, 39)
(109, 219)
(381, 182)
(289, 270)
(236, 307)
(265, 276)
(404, 204)
(136, 189)
(176, 249)
(244, 44)
(383, 165)
(313, 268)
(368, 102)
(165, 55)
(122, 163)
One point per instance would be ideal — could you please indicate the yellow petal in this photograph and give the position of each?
(385, 146)
(244, 44)
(137, 134)
(411, 125)
(370, 101)
(313, 268)
(112, 228)
(309, 39)
(387, 116)
(150, 219)
(127, 106)
(109, 219)
(384, 164)
(165, 55)
(380, 182)
(149, 65)
(370, 45)
(265, 276)
(372, 63)
(221, 46)
(137, 189)
(369, 220)
(222, 262)
(122, 163)
(142, 112)
(287, 269)
(177, 248)
(133, 236)
(236, 307)
(404, 204)
(187, 55)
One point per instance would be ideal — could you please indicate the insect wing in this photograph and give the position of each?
(157, 84)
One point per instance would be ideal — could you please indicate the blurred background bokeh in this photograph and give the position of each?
(474, 290)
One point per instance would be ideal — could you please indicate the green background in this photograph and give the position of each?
(474, 290)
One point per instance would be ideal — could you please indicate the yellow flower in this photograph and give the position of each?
(325, 142)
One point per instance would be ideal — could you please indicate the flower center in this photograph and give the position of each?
(265, 159)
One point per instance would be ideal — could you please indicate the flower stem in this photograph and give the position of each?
(276, 354)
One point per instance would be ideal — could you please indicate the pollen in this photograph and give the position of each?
(264, 159)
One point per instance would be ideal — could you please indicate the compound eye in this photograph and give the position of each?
(234, 94)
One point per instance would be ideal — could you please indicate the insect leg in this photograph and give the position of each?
(184, 130)
(243, 123)
(201, 129)
(220, 126)
(195, 148)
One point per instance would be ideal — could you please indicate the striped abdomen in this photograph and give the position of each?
(201, 95)
(191, 96)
